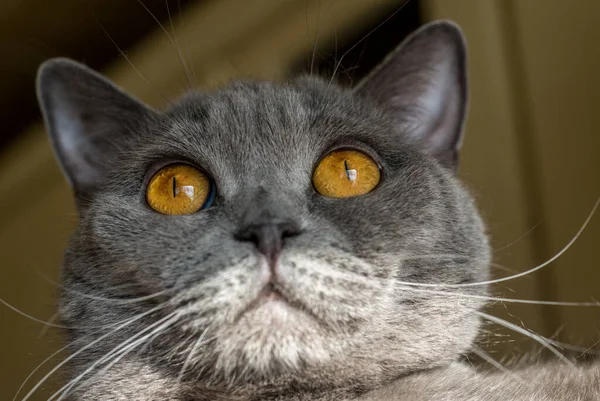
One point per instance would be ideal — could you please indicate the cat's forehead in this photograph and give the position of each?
(248, 111)
(250, 127)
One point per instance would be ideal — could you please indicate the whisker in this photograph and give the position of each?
(185, 47)
(540, 339)
(123, 348)
(436, 256)
(42, 364)
(525, 273)
(173, 42)
(570, 347)
(185, 43)
(48, 324)
(148, 338)
(503, 268)
(91, 344)
(518, 239)
(119, 301)
(126, 57)
(337, 65)
(35, 319)
(45, 329)
(450, 256)
(144, 348)
(316, 39)
(191, 354)
(175, 351)
(487, 358)
(508, 300)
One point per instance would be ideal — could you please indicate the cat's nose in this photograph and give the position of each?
(269, 238)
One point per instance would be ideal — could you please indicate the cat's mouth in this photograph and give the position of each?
(274, 295)
(269, 293)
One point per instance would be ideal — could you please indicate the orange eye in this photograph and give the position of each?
(346, 173)
(179, 189)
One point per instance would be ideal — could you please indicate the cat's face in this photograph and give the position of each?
(329, 305)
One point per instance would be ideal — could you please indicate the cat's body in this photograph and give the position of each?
(274, 291)
(456, 382)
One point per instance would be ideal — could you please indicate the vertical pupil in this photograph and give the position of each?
(351, 174)
(174, 187)
(346, 167)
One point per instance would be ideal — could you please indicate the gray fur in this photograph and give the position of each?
(351, 328)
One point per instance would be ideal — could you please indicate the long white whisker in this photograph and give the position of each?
(509, 300)
(147, 338)
(514, 276)
(542, 340)
(503, 268)
(518, 239)
(486, 357)
(91, 344)
(576, 348)
(191, 354)
(42, 364)
(123, 348)
(47, 324)
(45, 329)
(120, 301)
(449, 257)
(55, 325)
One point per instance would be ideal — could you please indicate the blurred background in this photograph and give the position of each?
(531, 155)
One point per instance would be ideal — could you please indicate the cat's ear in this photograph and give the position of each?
(423, 85)
(89, 120)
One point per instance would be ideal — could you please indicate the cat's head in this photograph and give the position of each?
(273, 271)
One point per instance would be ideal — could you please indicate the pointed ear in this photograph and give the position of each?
(89, 120)
(423, 86)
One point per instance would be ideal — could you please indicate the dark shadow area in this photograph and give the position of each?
(31, 31)
(367, 48)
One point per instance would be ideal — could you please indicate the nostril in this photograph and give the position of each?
(253, 236)
(289, 229)
(268, 238)
(248, 233)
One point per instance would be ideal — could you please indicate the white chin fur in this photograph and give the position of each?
(273, 337)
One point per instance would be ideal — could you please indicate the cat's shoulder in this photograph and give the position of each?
(461, 382)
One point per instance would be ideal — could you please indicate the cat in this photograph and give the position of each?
(266, 241)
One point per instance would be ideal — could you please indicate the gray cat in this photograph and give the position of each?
(258, 242)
